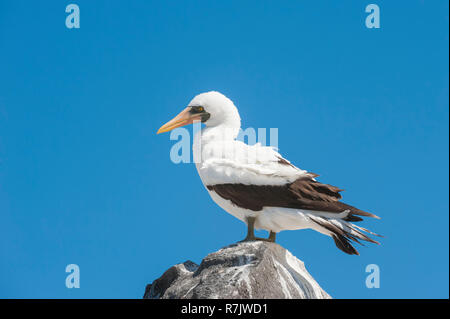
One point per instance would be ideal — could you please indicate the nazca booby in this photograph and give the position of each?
(257, 185)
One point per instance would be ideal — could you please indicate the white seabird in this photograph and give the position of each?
(255, 184)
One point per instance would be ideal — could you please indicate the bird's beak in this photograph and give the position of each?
(184, 118)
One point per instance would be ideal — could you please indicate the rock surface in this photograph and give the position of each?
(239, 271)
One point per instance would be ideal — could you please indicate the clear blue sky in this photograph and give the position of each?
(84, 179)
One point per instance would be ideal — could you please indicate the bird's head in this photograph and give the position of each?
(211, 108)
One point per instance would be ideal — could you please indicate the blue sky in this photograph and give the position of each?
(84, 179)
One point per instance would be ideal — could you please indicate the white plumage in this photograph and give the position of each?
(241, 177)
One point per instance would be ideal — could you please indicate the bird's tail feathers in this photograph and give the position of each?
(343, 233)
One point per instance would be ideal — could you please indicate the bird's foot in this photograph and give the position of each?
(253, 238)
(251, 235)
(272, 236)
(248, 238)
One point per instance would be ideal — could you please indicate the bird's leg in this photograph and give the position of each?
(272, 236)
(251, 232)
(250, 229)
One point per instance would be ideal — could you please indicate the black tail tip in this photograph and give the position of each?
(344, 244)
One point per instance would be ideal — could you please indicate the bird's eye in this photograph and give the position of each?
(197, 109)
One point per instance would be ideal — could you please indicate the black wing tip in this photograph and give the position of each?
(363, 213)
(352, 218)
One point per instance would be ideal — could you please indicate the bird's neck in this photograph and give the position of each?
(225, 131)
(209, 136)
(221, 132)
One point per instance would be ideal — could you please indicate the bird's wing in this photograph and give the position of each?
(238, 163)
(255, 177)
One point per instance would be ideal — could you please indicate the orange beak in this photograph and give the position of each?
(184, 118)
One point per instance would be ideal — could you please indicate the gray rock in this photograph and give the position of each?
(239, 271)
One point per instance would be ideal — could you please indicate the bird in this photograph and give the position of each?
(255, 184)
